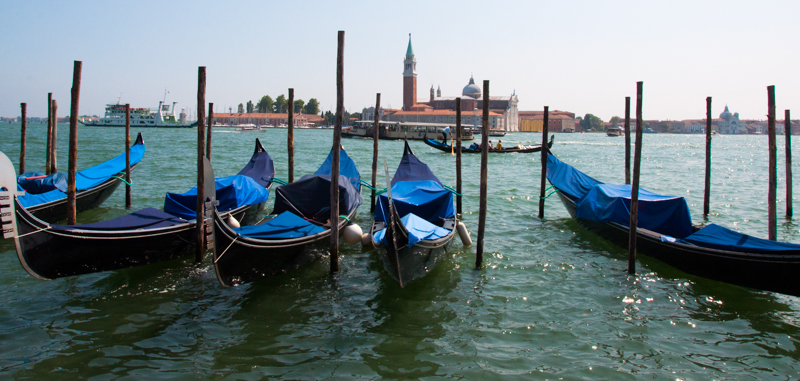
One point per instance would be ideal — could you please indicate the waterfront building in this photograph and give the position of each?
(557, 121)
(730, 124)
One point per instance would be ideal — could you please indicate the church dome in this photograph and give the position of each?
(471, 90)
(726, 115)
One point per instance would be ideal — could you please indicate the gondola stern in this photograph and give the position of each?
(139, 140)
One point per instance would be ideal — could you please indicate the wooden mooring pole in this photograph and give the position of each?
(48, 151)
(458, 157)
(23, 134)
(484, 176)
(54, 137)
(544, 152)
(375, 128)
(787, 122)
(337, 143)
(290, 135)
(200, 247)
(208, 130)
(128, 155)
(637, 159)
(773, 164)
(73, 143)
(627, 140)
(707, 192)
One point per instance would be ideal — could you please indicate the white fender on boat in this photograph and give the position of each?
(352, 234)
(466, 240)
(366, 240)
(233, 222)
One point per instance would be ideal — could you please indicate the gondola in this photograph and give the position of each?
(414, 222)
(296, 233)
(665, 232)
(46, 196)
(49, 251)
(473, 148)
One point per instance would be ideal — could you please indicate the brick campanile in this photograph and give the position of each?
(409, 78)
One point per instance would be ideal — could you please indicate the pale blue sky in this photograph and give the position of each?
(580, 56)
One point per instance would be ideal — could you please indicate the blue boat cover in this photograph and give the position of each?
(260, 168)
(347, 168)
(603, 203)
(425, 198)
(148, 218)
(53, 188)
(418, 230)
(717, 237)
(232, 192)
(411, 169)
(285, 225)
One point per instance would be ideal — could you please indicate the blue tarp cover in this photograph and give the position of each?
(285, 225)
(717, 237)
(663, 214)
(232, 192)
(411, 169)
(426, 199)
(148, 218)
(418, 230)
(29, 200)
(42, 185)
(260, 168)
(347, 168)
(602, 202)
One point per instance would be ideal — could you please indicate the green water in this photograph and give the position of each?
(552, 300)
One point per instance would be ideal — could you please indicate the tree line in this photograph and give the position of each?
(593, 123)
(279, 105)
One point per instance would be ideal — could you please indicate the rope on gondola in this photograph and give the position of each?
(33, 232)
(452, 190)
(226, 249)
(123, 180)
(279, 181)
(345, 217)
(549, 194)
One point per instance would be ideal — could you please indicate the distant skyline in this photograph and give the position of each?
(578, 56)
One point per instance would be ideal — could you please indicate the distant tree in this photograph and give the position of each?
(330, 118)
(312, 107)
(265, 104)
(591, 122)
(281, 104)
(298, 105)
(250, 107)
(241, 109)
(614, 121)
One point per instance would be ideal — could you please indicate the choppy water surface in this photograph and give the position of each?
(552, 300)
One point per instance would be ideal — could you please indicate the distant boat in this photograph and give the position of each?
(615, 131)
(164, 117)
(474, 149)
(405, 131)
(497, 132)
(649, 130)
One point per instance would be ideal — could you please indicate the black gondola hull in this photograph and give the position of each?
(504, 150)
(410, 263)
(771, 272)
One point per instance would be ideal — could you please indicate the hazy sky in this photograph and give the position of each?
(579, 56)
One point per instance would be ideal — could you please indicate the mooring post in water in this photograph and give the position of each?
(200, 247)
(544, 152)
(458, 157)
(484, 176)
(788, 135)
(637, 160)
(337, 144)
(707, 192)
(47, 163)
(208, 130)
(127, 156)
(23, 132)
(73, 143)
(290, 135)
(54, 137)
(773, 164)
(627, 140)
(375, 128)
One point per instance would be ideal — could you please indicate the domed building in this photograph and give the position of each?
(730, 124)
(471, 90)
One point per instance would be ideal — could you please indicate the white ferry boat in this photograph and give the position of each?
(164, 117)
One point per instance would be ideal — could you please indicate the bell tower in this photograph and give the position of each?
(409, 78)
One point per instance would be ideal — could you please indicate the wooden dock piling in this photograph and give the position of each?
(637, 159)
(48, 151)
(290, 135)
(707, 192)
(788, 136)
(627, 140)
(200, 247)
(544, 152)
(337, 144)
(209, 130)
(773, 163)
(484, 176)
(53, 137)
(458, 157)
(23, 134)
(127, 155)
(73, 143)
(375, 133)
